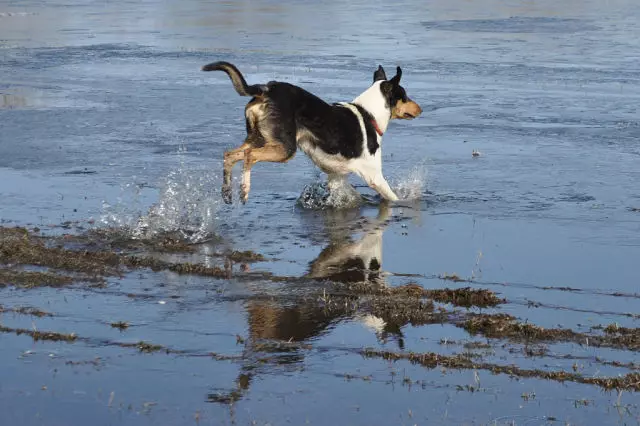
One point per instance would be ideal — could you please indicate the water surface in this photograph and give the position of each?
(104, 113)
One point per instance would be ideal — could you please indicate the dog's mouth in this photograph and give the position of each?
(407, 110)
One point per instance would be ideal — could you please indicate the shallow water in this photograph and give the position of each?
(106, 121)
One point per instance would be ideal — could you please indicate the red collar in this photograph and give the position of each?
(375, 126)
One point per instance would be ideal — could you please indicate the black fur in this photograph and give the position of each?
(372, 139)
(379, 74)
(239, 83)
(335, 128)
(391, 89)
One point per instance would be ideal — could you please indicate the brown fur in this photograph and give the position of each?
(272, 151)
(405, 110)
(259, 145)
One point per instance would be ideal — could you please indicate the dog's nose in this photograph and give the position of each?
(415, 109)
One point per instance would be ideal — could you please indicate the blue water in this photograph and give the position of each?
(104, 113)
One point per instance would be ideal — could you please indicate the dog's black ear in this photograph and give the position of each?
(379, 74)
(396, 79)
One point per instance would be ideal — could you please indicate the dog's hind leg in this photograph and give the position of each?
(231, 157)
(253, 139)
(271, 151)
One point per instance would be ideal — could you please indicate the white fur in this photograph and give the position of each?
(372, 322)
(367, 248)
(373, 101)
(328, 163)
(367, 166)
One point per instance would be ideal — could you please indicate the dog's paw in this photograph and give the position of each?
(244, 194)
(227, 196)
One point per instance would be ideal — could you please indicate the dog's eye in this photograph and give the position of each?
(400, 95)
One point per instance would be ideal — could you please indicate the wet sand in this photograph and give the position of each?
(501, 290)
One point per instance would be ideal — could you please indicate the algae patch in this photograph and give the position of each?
(452, 277)
(245, 256)
(41, 335)
(630, 381)
(17, 246)
(26, 310)
(32, 279)
(465, 297)
(505, 326)
(121, 325)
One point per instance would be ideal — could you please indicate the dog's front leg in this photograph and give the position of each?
(376, 181)
(381, 185)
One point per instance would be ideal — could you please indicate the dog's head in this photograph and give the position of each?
(396, 97)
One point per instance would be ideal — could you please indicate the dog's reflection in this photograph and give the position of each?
(347, 261)
(278, 331)
(343, 260)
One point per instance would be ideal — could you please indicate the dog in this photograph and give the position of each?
(347, 261)
(340, 138)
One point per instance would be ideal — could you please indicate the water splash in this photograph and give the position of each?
(126, 210)
(187, 205)
(320, 196)
(411, 186)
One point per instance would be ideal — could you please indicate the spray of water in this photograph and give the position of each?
(410, 186)
(320, 195)
(187, 205)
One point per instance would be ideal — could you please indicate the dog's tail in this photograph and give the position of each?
(239, 83)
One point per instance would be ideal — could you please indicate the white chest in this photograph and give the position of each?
(330, 164)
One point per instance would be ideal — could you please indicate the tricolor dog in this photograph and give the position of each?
(339, 138)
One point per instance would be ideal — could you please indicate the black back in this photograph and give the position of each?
(336, 128)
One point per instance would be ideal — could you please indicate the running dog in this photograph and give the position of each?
(339, 138)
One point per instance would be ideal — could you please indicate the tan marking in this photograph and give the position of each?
(406, 110)
(304, 134)
(273, 152)
(231, 157)
(255, 111)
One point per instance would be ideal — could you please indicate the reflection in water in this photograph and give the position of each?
(348, 261)
(277, 332)
(10, 101)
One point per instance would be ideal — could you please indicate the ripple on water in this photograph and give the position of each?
(515, 24)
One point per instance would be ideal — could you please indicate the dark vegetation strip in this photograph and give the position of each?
(31, 279)
(25, 310)
(630, 381)
(501, 326)
(463, 297)
(40, 335)
(456, 278)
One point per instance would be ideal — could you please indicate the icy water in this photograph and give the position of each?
(106, 123)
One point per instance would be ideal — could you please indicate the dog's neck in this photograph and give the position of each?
(374, 102)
